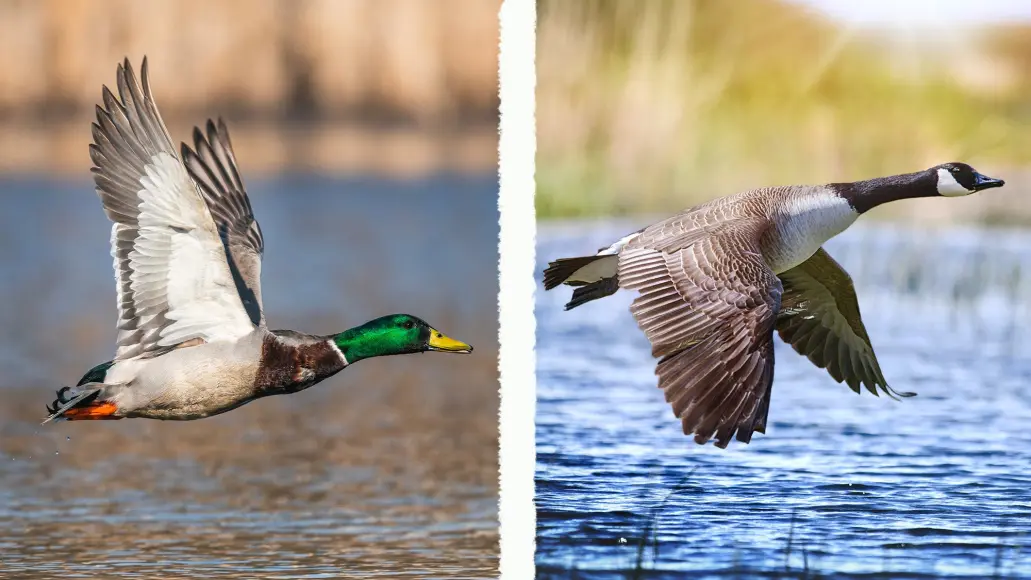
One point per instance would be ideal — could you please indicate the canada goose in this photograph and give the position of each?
(192, 340)
(715, 281)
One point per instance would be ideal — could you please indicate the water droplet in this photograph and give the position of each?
(57, 452)
(68, 438)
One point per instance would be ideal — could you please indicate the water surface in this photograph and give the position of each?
(388, 469)
(847, 485)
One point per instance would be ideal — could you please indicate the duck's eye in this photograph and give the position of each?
(409, 324)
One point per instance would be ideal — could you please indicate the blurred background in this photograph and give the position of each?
(366, 132)
(658, 105)
(645, 108)
(398, 87)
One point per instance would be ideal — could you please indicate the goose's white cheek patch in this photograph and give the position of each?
(948, 186)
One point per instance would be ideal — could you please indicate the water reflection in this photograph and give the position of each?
(389, 468)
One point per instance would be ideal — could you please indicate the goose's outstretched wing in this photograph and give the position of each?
(173, 282)
(708, 307)
(212, 165)
(820, 319)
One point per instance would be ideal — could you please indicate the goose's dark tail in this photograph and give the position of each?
(593, 291)
(559, 271)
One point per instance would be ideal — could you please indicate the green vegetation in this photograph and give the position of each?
(654, 106)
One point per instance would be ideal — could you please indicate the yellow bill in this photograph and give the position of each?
(442, 343)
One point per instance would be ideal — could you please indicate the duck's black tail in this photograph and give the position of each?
(67, 399)
(86, 400)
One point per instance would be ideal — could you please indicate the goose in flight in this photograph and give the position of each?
(715, 281)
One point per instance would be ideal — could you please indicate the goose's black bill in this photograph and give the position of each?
(985, 182)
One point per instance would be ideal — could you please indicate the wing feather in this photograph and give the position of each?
(820, 319)
(212, 165)
(172, 281)
(708, 307)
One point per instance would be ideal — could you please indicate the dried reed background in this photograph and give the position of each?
(654, 106)
(395, 85)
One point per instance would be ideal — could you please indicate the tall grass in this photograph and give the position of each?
(653, 106)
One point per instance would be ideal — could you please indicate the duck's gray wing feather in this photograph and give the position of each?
(172, 280)
(212, 165)
(708, 307)
(820, 319)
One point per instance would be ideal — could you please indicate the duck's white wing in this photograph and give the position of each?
(708, 307)
(212, 165)
(173, 282)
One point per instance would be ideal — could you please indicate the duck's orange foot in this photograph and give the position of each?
(101, 410)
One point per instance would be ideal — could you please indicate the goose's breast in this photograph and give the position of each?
(801, 226)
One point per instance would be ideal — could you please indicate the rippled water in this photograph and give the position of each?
(846, 485)
(388, 469)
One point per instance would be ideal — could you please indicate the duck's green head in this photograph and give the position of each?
(394, 334)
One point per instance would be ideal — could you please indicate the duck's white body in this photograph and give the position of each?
(187, 383)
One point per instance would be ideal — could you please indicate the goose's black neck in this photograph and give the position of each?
(866, 195)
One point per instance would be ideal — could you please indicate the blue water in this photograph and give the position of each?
(842, 485)
(388, 469)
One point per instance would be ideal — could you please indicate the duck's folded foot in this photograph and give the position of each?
(80, 403)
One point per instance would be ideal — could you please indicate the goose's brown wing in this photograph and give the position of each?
(820, 319)
(709, 309)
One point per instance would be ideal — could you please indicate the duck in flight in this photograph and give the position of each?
(192, 340)
(715, 281)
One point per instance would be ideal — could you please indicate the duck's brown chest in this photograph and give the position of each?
(288, 368)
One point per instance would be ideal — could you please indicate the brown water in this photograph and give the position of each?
(388, 469)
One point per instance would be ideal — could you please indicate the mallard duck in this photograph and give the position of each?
(715, 281)
(192, 340)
